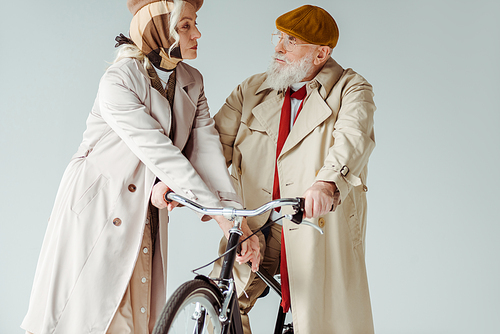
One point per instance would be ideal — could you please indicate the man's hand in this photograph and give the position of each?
(158, 197)
(250, 249)
(320, 198)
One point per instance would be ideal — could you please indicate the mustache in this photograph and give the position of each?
(281, 57)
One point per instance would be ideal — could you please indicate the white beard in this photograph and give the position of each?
(280, 77)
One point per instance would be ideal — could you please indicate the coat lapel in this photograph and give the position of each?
(184, 107)
(314, 112)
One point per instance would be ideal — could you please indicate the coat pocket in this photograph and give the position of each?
(352, 219)
(89, 194)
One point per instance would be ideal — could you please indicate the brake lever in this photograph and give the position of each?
(299, 214)
(299, 211)
(316, 227)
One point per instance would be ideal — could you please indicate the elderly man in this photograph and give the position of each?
(305, 128)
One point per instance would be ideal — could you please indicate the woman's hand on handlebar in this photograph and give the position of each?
(158, 197)
(250, 249)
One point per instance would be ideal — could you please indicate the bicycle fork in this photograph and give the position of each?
(199, 316)
(230, 316)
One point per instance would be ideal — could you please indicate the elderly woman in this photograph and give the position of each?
(102, 267)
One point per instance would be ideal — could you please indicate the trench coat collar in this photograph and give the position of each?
(314, 112)
(328, 77)
(183, 77)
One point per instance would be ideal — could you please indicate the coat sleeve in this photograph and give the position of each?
(125, 113)
(353, 134)
(227, 122)
(204, 151)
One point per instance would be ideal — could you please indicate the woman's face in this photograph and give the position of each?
(188, 32)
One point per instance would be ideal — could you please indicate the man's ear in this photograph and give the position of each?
(323, 55)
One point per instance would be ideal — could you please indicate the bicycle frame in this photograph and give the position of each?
(229, 316)
(230, 312)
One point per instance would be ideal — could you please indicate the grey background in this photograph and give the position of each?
(432, 241)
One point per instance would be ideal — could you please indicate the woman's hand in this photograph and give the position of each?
(158, 197)
(250, 249)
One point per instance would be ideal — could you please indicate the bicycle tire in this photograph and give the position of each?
(178, 315)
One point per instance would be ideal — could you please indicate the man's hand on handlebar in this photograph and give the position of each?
(158, 197)
(321, 198)
(250, 249)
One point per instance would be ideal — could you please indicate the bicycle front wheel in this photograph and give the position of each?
(193, 308)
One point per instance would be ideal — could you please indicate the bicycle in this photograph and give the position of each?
(205, 305)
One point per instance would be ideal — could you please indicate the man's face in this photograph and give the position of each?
(294, 61)
(299, 49)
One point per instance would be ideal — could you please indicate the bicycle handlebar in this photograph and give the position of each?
(231, 213)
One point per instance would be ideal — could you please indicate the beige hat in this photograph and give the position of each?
(135, 5)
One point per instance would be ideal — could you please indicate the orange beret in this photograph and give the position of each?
(310, 23)
(134, 5)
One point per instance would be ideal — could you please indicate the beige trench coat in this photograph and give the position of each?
(95, 229)
(331, 141)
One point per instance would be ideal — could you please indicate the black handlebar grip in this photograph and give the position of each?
(299, 211)
(166, 196)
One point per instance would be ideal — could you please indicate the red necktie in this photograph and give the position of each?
(284, 130)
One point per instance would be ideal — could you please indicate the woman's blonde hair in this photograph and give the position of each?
(175, 16)
(132, 51)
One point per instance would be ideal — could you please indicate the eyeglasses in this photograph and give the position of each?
(288, 41)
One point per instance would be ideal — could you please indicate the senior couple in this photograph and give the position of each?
(302, 128)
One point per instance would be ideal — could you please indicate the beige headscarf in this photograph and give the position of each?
(149, 30)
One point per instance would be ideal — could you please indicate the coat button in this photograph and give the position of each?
(321, 222)
(117, 221)
(313, 85)
(132, 188)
